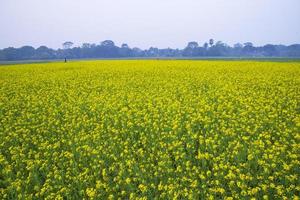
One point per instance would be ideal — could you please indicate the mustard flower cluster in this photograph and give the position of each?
(150, 130)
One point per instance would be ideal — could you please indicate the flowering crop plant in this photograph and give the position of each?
(150, 129)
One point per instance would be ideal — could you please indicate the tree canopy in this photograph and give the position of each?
(108, 49)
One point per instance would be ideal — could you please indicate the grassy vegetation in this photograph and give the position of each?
(268, 59)
(137, 129)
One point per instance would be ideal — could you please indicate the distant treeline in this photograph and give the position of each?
(108, 49)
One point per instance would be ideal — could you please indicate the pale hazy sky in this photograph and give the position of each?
(145, 23)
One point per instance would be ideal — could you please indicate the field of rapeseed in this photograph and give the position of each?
(150, 130)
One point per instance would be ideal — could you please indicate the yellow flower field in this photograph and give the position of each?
(150, 130)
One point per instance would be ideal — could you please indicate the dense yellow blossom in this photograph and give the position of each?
(150, 130)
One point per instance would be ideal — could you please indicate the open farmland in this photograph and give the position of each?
(150, 129)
